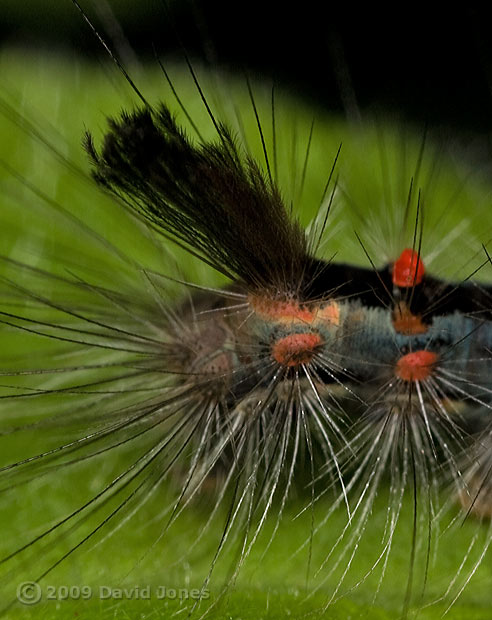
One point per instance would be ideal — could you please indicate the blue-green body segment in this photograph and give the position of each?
(363, 344)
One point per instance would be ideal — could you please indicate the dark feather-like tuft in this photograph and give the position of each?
(209, 196)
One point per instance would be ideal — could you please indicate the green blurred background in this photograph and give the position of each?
(414, 70)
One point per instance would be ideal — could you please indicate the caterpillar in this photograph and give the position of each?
(303, 407)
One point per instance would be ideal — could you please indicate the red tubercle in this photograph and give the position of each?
(416, 366)
(408, 269)
(296, 349)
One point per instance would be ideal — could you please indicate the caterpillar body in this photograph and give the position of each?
(306, 390)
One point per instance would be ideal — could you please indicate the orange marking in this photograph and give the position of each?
(416, 366)
(329, 312)
(280, 310)
(293, 312)
(296, 349)
(405, 322)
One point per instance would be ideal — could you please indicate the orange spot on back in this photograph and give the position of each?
(416, 366)
(405, 322)
(296, 349)
(278, 310)
(408, 269)
(329, 312)
(294, 312)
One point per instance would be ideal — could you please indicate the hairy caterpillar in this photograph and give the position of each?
(112, 394)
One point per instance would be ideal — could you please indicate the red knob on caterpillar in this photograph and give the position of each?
(296, 349)
(408, 269)
(416, 366)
